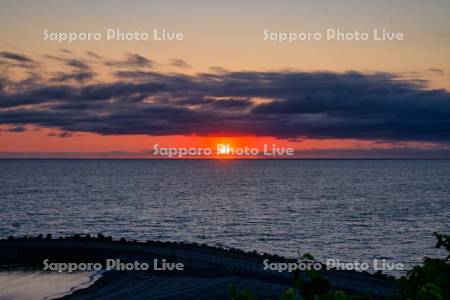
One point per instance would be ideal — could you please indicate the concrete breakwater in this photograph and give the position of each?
(198, 260)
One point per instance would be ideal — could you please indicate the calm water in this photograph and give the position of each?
(28, 284)
(351, 210)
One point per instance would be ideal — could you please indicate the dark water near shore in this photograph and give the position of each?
(343, 209)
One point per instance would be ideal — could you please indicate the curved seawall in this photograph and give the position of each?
(198, 260)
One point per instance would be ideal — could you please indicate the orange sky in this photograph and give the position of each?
(38, 140)
(227, 35)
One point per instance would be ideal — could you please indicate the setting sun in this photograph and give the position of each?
(223, 149)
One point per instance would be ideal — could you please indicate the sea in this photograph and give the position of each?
(347, 210)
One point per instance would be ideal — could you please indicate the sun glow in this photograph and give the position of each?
(223, 149)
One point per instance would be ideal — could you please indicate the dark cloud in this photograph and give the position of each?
(71, 62)
(132, 61)
(284, 104)
(65, 51)
(64, 134)
(16, 57)
(93, 55)
(437, 71)
(9, 60)
(75, 76)
(217, 69)
(180, 63)
(77, 64)
(16, 129)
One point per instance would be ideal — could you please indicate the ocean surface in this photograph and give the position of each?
(334, 209)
